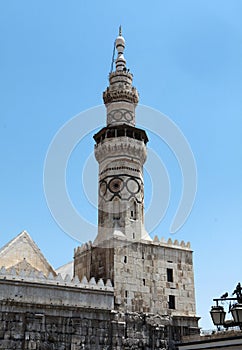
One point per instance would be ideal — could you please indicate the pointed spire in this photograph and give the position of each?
(120, 97)
(120, 46)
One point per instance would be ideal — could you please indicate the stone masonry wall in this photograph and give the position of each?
(142, 284)
(147, 276)
(52, 313)
(42, 327)
(45, 327)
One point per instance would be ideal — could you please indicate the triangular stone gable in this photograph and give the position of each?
(23, 253)
(23, 265)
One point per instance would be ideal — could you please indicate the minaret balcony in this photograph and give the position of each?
(123, 130)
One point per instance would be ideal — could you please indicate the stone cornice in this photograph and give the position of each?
(118, 95)
(121, 147)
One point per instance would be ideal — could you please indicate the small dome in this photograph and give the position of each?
(120, 44)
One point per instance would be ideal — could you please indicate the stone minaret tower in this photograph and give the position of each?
(121, 152)
(150, 277)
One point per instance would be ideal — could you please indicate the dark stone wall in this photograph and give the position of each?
(95, 262)
(45, 327)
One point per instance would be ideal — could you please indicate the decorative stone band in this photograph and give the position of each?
(121, 148)
(122, 186)
(119, 168)
(131, 96)
(38, 277)
(121, 116)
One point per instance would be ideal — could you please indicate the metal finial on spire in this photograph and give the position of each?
(120, 30)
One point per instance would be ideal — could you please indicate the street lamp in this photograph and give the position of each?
(218, 314)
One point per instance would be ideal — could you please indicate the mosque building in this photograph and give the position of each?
(124, 290)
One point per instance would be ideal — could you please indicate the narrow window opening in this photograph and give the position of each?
(125, 259)
(126, 294)
(143, 282)
(172, 304)
(116, 210)
(143, 255)
(169, 273)
(133, 235)
(133, 211)
(120, 132)
(129, 133)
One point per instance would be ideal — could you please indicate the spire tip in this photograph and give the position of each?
(120, 46)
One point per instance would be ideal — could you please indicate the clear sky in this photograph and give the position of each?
(186, 57)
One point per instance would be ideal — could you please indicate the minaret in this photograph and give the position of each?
(121, 152)
(153, 282)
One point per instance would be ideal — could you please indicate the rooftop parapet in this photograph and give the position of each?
(38, 277)
(156, 241)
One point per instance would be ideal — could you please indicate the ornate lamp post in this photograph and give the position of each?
(218, 314)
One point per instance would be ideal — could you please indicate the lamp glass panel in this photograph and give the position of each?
(218, 315)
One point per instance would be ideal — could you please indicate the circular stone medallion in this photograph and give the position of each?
(115, 185)
(128, 116)
(133, 186)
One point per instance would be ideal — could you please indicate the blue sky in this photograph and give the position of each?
(186, 60)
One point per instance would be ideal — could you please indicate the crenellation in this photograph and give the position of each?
(54, 280)
(84, 281)
(67, 279)
(59, 278)
(156, 240)
(169, 242)
(92, 282)
(51, 277)
(108, 283)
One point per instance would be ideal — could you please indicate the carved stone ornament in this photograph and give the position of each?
(121, 149)
(121, 95)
